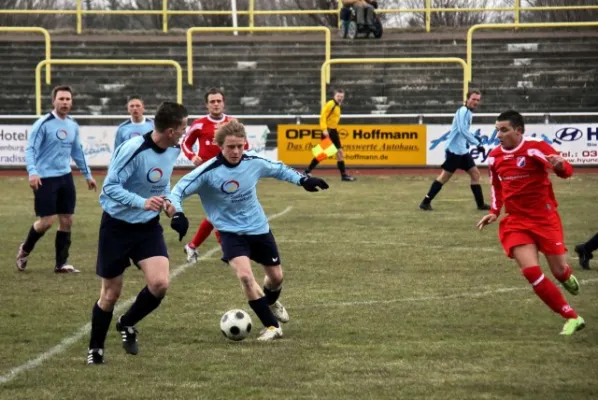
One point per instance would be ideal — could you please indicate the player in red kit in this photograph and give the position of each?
(202, 131)
(519, 175)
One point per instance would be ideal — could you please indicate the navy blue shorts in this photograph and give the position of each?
(55, 196)
(454, 162)
(259, 248)
(120, 241)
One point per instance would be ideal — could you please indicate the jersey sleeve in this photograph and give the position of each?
(121, 169)
(188, 185)
(34, 143)
(463, 125)
(189, 141)
(277, 170)
(118, 138)
(496, 188)
(539, 152)
(324, 114)
(78, 156)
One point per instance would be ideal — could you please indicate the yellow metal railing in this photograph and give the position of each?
(38, 89)
(164, 12)
(46, 38)
(191, 31)
(517, 26)
(422, 60)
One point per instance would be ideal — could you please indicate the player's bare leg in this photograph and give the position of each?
(476, 188)
(527, 257)
(436, 187)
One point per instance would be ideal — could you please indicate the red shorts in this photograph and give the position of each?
(546, 234)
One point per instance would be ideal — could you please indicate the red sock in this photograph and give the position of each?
(217, 234)
(548, 292)
(563, 277)
(204, 230)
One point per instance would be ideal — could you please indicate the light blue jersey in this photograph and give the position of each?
(459, 137)
(130, 129)
(228, 192)
(139, 169)
(51, 144)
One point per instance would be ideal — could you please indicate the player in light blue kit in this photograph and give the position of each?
(138, 125)
(458, 156)
(226, 185)
(132, 197)
(53, 140)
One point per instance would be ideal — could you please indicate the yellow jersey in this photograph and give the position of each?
(330, 115)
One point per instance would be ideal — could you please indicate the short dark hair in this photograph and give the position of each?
(213, 91)
(472, 92)
(338, 90)
(61, 88)
(169, 115)
(134, 97)
(514, 118)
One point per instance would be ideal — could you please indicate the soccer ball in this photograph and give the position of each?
(235, 324)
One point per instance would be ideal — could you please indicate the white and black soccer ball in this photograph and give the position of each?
(235, 324)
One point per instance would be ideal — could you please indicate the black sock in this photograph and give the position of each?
(592, 244)
(100, 322)
(312, 165)
(341, 167)
(32, 237)
(478, 194)
(263, 312)
(272, 294)
(62, 243)
(144, 304)
(434, 189)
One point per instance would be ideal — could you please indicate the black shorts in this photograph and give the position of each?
(454, 162)
(334, 137)
(120, 241)
(259, 248)
(55, 196)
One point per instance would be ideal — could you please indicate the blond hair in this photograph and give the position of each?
(231, 128)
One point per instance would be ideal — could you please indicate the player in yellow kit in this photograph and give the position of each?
(329, 118)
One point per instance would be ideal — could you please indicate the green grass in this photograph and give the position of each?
(386, 302)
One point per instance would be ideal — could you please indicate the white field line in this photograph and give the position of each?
(85, 329)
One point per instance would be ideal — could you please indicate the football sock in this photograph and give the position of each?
(565, 275)
(341, 167)
(100, 322)
(263, 312)
(144, 304)
(478, 194)
(218, 238)
(434, 189)
(548, 292)
(272, 294)
(32, 237)
(62, 244)
(314, 163)
(204, 230)
(592, 244)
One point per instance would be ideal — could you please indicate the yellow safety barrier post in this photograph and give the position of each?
(164, 16)
(517, 26)
(191, 31)
(46, 37)
(38, 90)
(421, 60)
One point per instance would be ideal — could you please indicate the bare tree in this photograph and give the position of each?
(49, 21)
(560, 15)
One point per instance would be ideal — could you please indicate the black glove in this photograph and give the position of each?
(311, 184)
(479, 146)
(180, 223)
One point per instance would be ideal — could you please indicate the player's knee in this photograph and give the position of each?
(275, 278)
(109, 297)
(65, 222)
(247, 280)
(340, 155)
(475, 176)
(158, 287)
(44, 223)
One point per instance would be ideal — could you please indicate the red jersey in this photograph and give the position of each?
(520, 179)
(203, 130)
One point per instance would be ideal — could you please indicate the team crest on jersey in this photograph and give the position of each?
(154, 175)
(230, 187)
(521, 162)
(61, 134)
